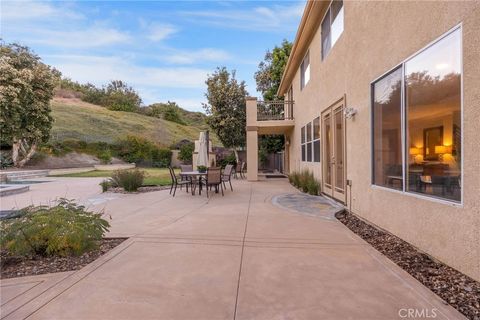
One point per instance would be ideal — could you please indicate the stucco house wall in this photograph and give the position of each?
(377, 37)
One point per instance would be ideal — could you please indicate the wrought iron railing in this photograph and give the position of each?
(274, 110)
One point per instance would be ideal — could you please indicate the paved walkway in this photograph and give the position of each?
(233, 257)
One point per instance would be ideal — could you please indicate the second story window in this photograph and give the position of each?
(332, 26)
(305, 71)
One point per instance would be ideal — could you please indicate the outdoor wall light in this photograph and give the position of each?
(350, 113)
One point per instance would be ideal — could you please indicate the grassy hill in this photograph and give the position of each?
(196, 119)
(75, 119)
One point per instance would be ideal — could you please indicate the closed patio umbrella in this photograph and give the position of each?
(202, 159)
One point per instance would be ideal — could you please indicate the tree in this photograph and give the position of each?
(268, 78)
(226, 108)
(121, 97)
(186, 153)
(26, 88)
(270, 70)
(169, 111)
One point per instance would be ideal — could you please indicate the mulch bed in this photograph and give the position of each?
(140, 190)
(455, 288)
(12, 267)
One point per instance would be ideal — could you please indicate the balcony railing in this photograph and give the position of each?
(274, 110)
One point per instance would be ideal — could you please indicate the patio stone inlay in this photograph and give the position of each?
(315, 206)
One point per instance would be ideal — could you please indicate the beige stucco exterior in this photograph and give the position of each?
(377, 37)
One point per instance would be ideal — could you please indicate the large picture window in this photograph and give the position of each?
(332, 26)
(433, 108)
(430, 112)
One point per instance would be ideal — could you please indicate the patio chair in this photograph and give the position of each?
(212, 179)
(176, 182)
(227, 175)
(240, 170)
(185, 168)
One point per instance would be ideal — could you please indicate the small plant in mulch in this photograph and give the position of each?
(130, 180)
(106, 185)
(61, 230)
(43, 239)
(305, 181)
(455, 288)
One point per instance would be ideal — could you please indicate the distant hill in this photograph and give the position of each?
(76, 119)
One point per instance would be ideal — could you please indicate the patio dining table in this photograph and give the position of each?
(194, 177)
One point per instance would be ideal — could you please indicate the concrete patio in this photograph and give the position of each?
(241, 256)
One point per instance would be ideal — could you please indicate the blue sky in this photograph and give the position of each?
(164, 49)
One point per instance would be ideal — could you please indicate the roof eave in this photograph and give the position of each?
(309, 24)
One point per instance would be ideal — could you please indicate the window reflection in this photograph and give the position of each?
(387, 132)
(332, 26)
(305, 71)
(433, 105)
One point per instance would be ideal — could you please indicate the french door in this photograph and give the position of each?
(333, 159)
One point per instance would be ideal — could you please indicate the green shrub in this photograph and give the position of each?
(294, 179)
(161, 158)
(186, 153)
(313, 187)
(305, 181)
(171, 113)
(230, 159)
(130, 180)
(74, 144)
(64, 229)
(135, 149)
(56, 148)
(105, 156)
(105, 184)
(5, 160)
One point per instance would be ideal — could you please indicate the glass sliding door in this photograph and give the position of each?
(433, 108)
(327, 167)
(339, 147)
(387, 130)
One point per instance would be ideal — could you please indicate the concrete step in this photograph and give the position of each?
(22, 175)
(9, 189)
(264, 176)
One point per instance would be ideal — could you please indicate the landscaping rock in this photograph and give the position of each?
(12, 267)
(457, 289)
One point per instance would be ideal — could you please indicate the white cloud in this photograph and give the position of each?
(100, 70)
(274, 18)
(190, 104)
(159, 32)
(85, 38)
(35, 10)
(191, 57)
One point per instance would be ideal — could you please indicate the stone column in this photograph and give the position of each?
(252, 139)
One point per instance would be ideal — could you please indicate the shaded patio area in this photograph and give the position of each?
(251, 254)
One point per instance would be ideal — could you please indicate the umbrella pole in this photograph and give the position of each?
(207, 134)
